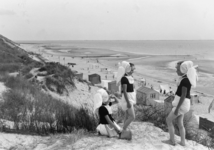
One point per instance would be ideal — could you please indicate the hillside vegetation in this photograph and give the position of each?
(27, 106)
(15, 59)
(12, 57)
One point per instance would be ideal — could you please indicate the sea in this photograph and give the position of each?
(197, 48)
(201, 49)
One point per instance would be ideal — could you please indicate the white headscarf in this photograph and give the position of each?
(123, 68)
(188, 69)
(100, 97)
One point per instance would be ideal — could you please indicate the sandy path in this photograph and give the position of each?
(145, 137)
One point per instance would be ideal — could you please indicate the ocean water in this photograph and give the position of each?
(196, 48)
(204, 50)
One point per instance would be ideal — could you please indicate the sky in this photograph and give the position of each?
(107, 19)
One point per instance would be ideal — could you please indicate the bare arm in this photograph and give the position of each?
(124, 86)
(111, 123)
(183, 96)
(116, 101)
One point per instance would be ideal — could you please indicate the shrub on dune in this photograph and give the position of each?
(55, 85)
(61, 76)
(9, 67)
(26, 69)
(28, 76)
(37, 112)
(157, 116)
(14, 106)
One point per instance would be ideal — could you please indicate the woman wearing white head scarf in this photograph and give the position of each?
(189, 70)
(128, 93)
(181, 104)
(107, 125)
(124, 68)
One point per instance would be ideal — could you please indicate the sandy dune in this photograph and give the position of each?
(145, 135)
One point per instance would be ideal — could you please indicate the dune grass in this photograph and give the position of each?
(158, 117)
(57, 77)
(27, 107)
(9, 67)
(33, 111)
(27, 68)
(13, 61)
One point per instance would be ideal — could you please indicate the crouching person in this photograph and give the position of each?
(107, 125)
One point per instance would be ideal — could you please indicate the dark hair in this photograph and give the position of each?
(131, 64)
(180, 62)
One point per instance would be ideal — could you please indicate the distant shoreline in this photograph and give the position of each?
(154, 67)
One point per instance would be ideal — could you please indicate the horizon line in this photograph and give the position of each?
(118, 40)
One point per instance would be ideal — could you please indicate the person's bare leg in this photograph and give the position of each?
(126, 116)
(130, 116)
(181, 129)
(171, 129)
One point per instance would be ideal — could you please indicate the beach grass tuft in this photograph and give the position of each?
(157, 116)
(35, 112)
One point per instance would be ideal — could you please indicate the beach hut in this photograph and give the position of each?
(112, 86)
(94, 78)
(79, 75)
(206, 124)
(104, 83)
(145, 94)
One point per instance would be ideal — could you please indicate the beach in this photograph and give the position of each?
(156, 69)
(152, 67)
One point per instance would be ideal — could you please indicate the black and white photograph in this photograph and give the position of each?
(106, 74)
